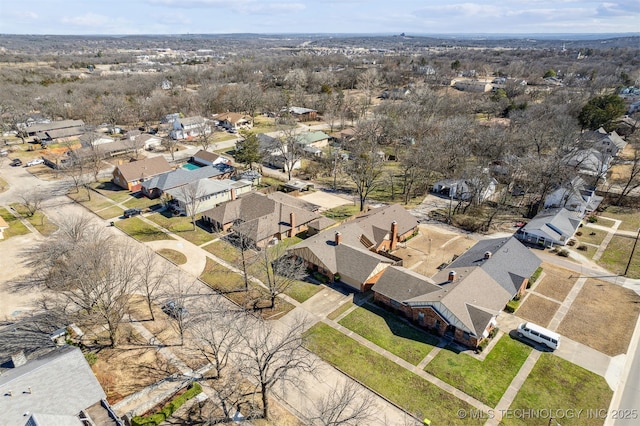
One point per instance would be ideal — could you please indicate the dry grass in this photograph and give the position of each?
(538, 310)
(557, 282)
(432, 247)
(602, 317)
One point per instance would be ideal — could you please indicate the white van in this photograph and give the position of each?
(539, 334)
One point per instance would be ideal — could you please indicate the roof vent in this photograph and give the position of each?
(452, 275)
(487, 254)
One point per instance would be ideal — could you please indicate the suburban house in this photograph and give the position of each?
(233, 121)
(189, 127)
(92, 139)
(463, 300)
(157, 185)
(56, 129)
(131, 175)
(589, 162)
(550, 227)
(170, 118)
(606, 143)
(344, 135)
(275, 154)
(148, 142)
(395, 93)
(206, 158)
(57, 388)
(313, 142)
(303, 114)
(466, 189)
(574, 195)
(477, 86)
(262, 218)
(205, 194)
(356, 252)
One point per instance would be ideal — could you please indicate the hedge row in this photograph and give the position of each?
(168, 410)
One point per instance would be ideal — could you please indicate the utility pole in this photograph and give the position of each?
(635, 243)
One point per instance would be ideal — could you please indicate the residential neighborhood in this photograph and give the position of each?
(410, 244)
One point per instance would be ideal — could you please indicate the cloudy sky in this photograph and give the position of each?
(317, 16)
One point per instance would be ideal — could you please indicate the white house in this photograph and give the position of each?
(189, 127)
(550, 227)
(207, 158)
(465, 189)
(606, 143)
(575, 196)
(205, 194)
(589, 162)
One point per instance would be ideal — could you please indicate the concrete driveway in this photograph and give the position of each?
(325, 200)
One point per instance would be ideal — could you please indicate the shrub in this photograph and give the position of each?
(579, 234)
(563, 253)
(168, 409)
(91, 358)
(582, 247)
(571, 243)
(592, 219)
(534, 277)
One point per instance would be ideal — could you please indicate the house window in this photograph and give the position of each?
(421, 317)
(466, 335)
(395, 303)
(436, 324)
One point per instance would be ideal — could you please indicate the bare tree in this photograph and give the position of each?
(273, 355)
(32, 201)
(216, 335)
(365, 167)
(192, 194)
(281, 271)
(205, 134)
(170, 144)
(289, 148)
(154, 274)
(179, 292)
(348, 405)
(368, 82)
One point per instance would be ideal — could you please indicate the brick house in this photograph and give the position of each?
(131, 175)
(461, 301)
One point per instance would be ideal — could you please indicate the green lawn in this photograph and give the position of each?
(95, 203)
(15, 226)
(111, 191)
(389, 332)
(630, 217)
(173, 256)
(139, 201)
(301, 291)
(110, 212)
(484, 380)
(586, 236)
(39, 220)
(224, 251)
(407, 389)
(556, 384)
(616, 256)
(341, 213)
(183, 227)
(140, 230)
(341, 310)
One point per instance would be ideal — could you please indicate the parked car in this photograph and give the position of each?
(174, 309)
(16, 162)
(539, 334)
(132, 212)
(35, 162)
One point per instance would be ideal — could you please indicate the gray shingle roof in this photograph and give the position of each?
(553, 224)
(61, 383)
(181, 176)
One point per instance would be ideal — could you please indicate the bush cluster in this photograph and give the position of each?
(168, 410)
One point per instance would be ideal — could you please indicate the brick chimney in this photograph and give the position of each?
(394, 235)
(487, 255)
(233, 193)
(338, 238)
(452, 276)
(292, 222)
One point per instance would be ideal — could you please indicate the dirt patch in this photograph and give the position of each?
(602, 317)
(432, 247)
(325, 200)
(557, 282)
(128, 369)
(538, 310)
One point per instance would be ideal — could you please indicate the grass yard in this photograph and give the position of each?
(173, 256)
(301, 291)
(224, 251)
(92, 200)
(538, 310)
(389, 332)
(182, 226)
(484, 380)
(591, 236)
(110, 212)
(139, 201)
(38, 220)
(407, 389)
(231, 285)
(341, 310)
(556, 384)
(557, 282)
(15, 226)
(341, 213)
(598, 300)
(630, 217)
(140, 230)
(111, 191)
(3, 185)
(616, 256)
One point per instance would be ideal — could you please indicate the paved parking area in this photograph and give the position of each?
(325, 200)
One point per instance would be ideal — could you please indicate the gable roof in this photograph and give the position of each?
(147, 168)
(181, 176)
(378, 221)
(191, 121)
(300, 110)
(61, 383)
(311, 137)
(231, 117)
(203, 187)
(208, 155)
(54, 125)
(553, 224)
